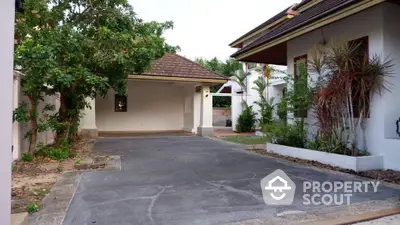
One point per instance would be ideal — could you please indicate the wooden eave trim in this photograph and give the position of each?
(286, 17)
(259, 31)
(313, 26)
(308, 5)
(185, 79)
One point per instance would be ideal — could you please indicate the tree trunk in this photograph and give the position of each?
(63, 117)
(33, 125)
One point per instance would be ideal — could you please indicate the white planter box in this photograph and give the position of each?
(362, 163)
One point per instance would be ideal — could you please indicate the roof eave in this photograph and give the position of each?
(313, 25)
(182, 79)
(301, 8)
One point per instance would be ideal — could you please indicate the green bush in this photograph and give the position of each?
(32, 207)
(58, 153)
(27, 157)
(335, 143)
(266, 111)
(286, 134)
(246, 121)
(282, 110)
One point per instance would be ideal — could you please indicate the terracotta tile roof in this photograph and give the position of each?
(314, 13)
(174, 65)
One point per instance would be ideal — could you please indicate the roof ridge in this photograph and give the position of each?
(198, 65)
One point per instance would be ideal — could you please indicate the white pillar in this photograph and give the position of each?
(7, 11)
(206, 127)
(88, 120)
(16, 126)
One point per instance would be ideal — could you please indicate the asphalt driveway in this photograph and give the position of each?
(188, 180)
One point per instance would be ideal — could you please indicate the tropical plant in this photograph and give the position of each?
(282, 110)
(246, 120)
(266, 105)
(347, 80)
(241, 78)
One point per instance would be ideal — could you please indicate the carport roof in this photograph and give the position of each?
(173, 65)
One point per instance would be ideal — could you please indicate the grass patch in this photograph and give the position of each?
(40, 192)
(247, 140)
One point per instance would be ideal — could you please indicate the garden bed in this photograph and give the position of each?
(383, 175)
(358, 163)
(32, 181)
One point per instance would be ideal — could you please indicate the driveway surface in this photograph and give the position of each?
(188, 180)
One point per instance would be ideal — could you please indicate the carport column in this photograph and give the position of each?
(88, 120)
(206, 127)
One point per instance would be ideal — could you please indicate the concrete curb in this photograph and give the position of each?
(57, 202)
(19, 219)
(244, 148)
(329, 215)
(360, 218)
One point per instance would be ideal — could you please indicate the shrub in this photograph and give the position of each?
(27, 157)
(282, 110)
(336, 143)
(246, 121)
(286, 134)
(57, 153)
(266, 111)
(32, 207)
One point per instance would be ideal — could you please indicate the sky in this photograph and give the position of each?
(205, 28)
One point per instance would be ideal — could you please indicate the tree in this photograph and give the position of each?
(91, 46)
(227, 69)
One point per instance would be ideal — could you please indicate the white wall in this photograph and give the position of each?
(196, 111)
(252, 96)
(367, 23)
(7, 13)
(189, 110)
(152, 106)
(21, 144)
(391, 48)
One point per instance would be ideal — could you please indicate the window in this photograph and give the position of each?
(300, 69)
(362, 54)
(120, 103)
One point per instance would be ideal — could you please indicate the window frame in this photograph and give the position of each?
(116, 99)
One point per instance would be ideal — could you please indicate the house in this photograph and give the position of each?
(289, 37)
(173, 96)
(275, 89)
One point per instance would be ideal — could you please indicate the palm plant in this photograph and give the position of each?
(240, 77)
(266, 105)
(347, 80)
